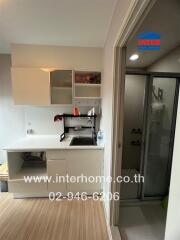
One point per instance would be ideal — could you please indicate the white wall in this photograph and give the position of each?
(173, 215)
(12, 121)
(120, 12)
(41, 120)
(77, 58)
(171, 63)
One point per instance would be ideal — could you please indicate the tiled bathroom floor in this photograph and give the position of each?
(143, 222)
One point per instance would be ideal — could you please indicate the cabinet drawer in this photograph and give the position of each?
(56, 169)
(56, 155)
(19, 186)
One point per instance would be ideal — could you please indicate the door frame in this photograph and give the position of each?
(137, 13)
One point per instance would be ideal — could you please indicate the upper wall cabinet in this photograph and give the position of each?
(41, 86)
(30, 86)
(44, 86)
(61, 86)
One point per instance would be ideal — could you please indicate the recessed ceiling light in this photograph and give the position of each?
(134, 57)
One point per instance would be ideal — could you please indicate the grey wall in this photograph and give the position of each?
(12, 122)
(133, 118)
(170, 63)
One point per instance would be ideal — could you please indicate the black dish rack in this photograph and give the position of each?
(63, 118)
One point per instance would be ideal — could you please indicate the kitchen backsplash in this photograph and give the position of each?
(41, 119)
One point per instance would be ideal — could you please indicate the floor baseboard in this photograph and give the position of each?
(123, 234)
(115, 233)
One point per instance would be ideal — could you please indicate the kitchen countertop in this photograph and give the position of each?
(45, 142)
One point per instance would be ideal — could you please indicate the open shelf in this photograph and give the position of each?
(87, 85)
(26, 164)
(88, 90)
(29, 171)
(88, 77)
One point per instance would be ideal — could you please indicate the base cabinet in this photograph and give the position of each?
(87, 167)
(56, 169)
(66, 171)
(81, 168)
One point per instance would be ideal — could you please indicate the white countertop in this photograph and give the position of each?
(45, 142)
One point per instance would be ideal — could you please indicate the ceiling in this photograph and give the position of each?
(164, 18)
(54, 22)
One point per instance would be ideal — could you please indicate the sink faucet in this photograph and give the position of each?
(92, 128)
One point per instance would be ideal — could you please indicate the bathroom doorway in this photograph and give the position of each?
(141, 213)
(150, 106)
(150, 110)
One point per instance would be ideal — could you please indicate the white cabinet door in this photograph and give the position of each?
(30, 86)
(88, 163)
(56, 169)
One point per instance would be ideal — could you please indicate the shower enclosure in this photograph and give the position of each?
(148, 142)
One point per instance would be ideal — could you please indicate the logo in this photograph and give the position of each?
(149, 41)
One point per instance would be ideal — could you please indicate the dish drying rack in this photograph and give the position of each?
(63, 118)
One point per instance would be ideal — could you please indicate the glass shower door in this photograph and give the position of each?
(162, 99)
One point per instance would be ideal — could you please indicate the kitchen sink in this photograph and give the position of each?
(83, 141)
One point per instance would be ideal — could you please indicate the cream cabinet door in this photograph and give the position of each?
(87, 163)
(30, 86)
(56, 169)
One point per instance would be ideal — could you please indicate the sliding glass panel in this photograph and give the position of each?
(159, 137)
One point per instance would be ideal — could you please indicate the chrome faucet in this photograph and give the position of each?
(92, 128)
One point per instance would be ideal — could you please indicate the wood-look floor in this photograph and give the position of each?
(40, 219)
